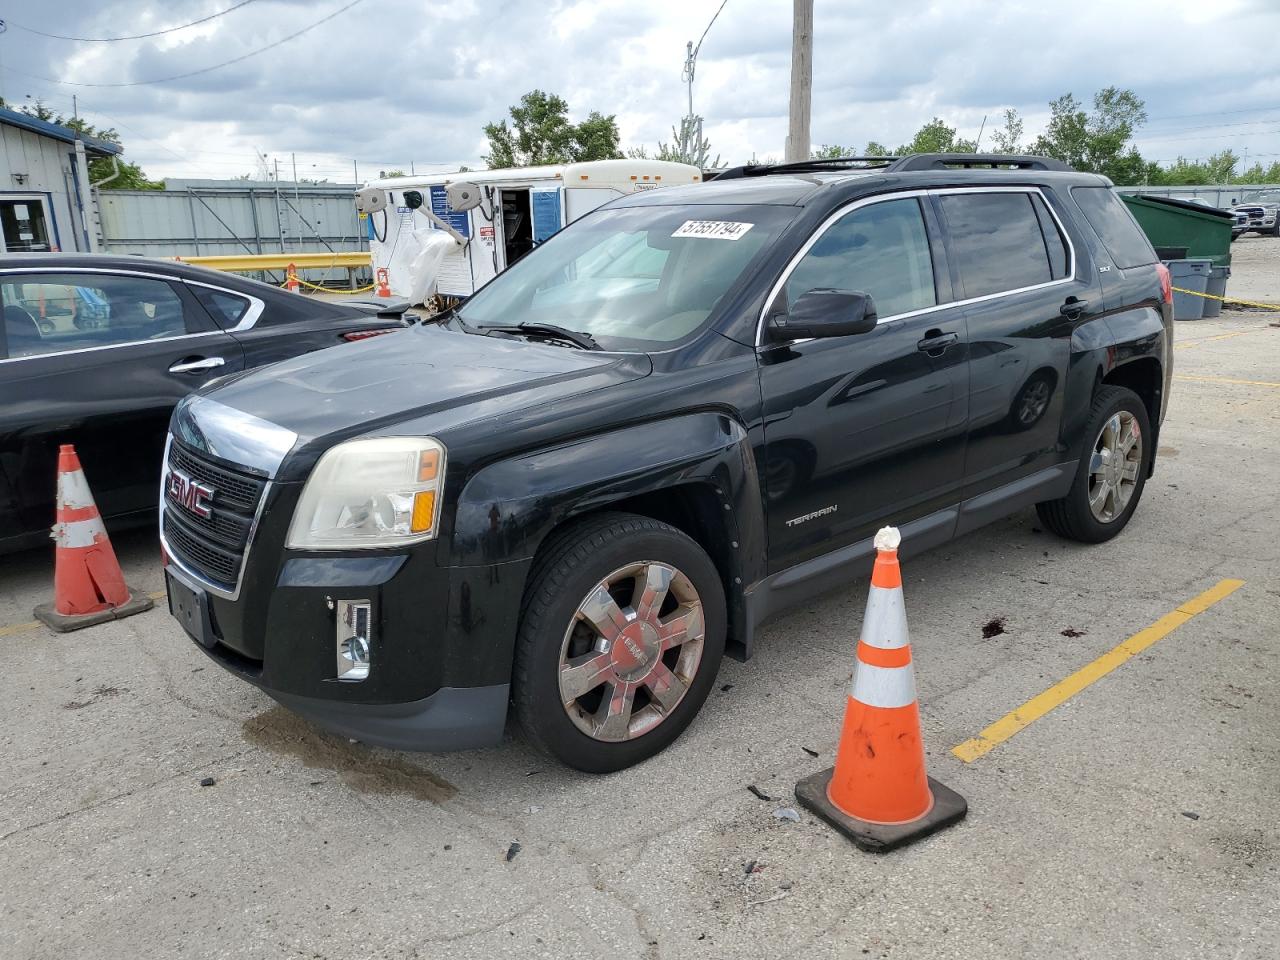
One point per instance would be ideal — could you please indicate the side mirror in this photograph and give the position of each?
(825, 313)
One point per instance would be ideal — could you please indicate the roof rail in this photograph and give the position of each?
(968, 161)
(807, 166)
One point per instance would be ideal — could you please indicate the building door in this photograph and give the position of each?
(23, 228)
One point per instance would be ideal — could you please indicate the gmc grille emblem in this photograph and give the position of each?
(191, 495)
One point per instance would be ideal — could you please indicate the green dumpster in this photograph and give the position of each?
(1203, 232)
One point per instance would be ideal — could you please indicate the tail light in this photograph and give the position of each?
(366, 334)
(1166, 282)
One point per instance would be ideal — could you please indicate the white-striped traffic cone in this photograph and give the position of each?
(88, 586)
(878, 794)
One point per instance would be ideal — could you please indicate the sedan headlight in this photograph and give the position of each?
(364, 494)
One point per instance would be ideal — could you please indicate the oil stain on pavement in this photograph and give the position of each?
(358, 766)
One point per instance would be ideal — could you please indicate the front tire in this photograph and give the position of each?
(621, 635)
(1112, 472)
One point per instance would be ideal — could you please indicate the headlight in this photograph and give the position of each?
(371, 493)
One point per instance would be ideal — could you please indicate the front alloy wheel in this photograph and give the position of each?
(620, 637)
(631, 652)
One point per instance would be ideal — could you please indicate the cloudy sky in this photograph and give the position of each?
(390, 83)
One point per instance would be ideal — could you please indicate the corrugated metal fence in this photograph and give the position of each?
(203, 217)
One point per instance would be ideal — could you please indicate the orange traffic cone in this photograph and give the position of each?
(878, 794)
(384, 282)
(88, 586)
(291, 278)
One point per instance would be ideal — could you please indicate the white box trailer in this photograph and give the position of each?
(449, 233)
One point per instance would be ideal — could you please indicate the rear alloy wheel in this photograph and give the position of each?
(620, 640)
(1111, 473)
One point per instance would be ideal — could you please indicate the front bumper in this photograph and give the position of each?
(442, 644)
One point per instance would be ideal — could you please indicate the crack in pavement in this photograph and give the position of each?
(87, 808)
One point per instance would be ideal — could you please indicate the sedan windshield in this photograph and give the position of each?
(634, 278)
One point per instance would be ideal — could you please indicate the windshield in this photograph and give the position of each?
(1263, 196)
(634, 278)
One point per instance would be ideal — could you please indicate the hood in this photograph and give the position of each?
(423, 371)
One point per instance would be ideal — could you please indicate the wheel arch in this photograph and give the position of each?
(695, 472)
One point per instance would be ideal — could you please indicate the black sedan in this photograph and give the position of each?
(96, 350)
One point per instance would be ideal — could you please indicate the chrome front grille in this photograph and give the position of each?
(213, 546)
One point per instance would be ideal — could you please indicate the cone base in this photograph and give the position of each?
(948, 808)
(65, 623)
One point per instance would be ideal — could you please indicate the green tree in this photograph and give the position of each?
(1097, 141)
(130, 176)
(936, 137)
(541, 132)
(1008, 139)
(832, 151)
(687, 145)
(875, 149)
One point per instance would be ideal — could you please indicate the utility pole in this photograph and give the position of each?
(801, 81)
(279, 209)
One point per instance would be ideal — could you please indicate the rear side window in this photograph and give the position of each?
(997, 241)
(881, 249)
(1115, 226)
(226, 308)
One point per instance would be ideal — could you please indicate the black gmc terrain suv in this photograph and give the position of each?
(688, 411)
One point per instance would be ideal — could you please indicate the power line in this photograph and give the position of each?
(136, 36)
(203, 70)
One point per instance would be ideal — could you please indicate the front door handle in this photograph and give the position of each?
(197, 365)
(935, 342)
(1073, 307)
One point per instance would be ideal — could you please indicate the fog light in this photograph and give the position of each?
(354, 636)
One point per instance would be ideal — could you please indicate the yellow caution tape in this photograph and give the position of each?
(1214, 296)
(334, 289)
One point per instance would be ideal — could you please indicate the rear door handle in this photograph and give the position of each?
(935, 341)
(1073, 307)
(198, 365)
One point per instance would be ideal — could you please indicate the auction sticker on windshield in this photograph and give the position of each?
(713, 229)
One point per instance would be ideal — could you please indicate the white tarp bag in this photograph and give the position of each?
(422, 270)
(411, 253)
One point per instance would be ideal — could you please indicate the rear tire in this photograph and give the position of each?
(604, 678)
(1112, 471)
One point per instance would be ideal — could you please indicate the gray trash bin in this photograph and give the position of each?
(1217, 286)
(1189, 275)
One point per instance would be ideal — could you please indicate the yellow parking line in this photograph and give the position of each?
(1243, 383)
(1225, 336)
(1055, 696)
(11, 629)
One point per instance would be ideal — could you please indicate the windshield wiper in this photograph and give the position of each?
(582, 340)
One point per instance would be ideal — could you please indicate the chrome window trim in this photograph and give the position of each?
(204, 582)
(247, 322)
(839, 214)
(256, 305)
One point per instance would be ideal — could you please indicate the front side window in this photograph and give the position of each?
(997, 241)
(53, 313)
(881, 250)
(632, 277)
